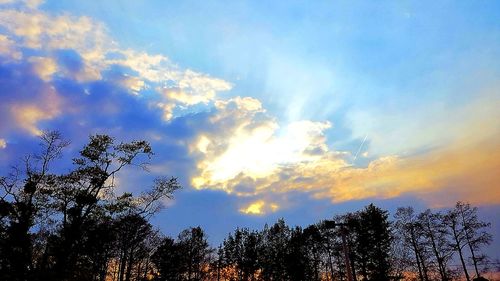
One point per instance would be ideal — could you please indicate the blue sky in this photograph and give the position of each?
(260, 108)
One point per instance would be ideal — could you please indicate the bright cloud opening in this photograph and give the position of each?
(255, 148)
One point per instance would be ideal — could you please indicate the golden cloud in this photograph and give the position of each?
(259, 207)
(250, 155)
(44, 67)
(27, 115)
(253, 146)
(185, 98)
(458, 172)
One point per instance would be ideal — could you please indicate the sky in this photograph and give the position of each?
(267, 109)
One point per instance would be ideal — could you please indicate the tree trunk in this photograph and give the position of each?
(121, 271)
(459, 249)
(439, 259)
(416, 250)
(130, 265)
(467, 237)
(419, 266)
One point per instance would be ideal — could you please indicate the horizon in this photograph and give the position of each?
(266, 110)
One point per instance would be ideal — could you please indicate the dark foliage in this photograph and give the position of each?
(72, 226)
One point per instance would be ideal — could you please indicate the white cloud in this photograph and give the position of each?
(27, 115)
(26, 27)
(32, 4)
(247, 153)
(8, 48)
(44, 67)
(248, 143)
(194, 88)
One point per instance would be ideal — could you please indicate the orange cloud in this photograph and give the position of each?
(250, 155)
(457, 173)
(440, 177)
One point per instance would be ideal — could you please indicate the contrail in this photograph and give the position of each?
(359, 149)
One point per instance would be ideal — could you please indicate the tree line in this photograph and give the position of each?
(74, 226)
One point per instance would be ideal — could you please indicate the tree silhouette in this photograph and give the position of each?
(468, 231)
(132, 232)
(197, 254)
(410, 230)
(313, 242)
(23, 198)
(64, 226)
(373, 243)
(274, 250)
(168, 259)
(436, 235)
(73, 226)
(239, 252)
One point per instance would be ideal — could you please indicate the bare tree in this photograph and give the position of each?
(458, 241)
(410, 230)
(436, 234)
(475, 233)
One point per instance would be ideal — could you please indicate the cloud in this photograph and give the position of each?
(8, 48)
(461, 172)
(259, 207)
(246, 142)
(247, 153)
(404, 130)
(32, 4)
(44, 67)
(67, 72)
(90, 39)
(53, 63)
(27, 99)
(27, 116)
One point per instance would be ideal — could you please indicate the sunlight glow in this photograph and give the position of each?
(254, 208)
(259, 207)
(259, 152)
